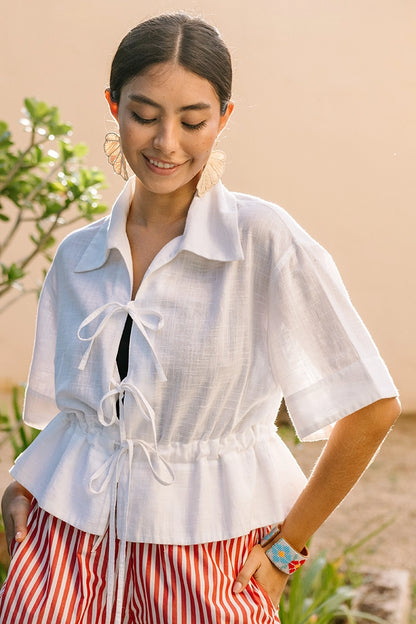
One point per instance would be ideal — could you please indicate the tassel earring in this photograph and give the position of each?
(112, 148)
(211, 173)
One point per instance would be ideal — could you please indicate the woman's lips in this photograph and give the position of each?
(161, 167)
(162, 164)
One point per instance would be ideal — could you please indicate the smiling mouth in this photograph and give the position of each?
(160, 164)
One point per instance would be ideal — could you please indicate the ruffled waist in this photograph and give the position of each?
(207, 490)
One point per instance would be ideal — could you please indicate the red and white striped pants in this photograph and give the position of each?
(57, 575)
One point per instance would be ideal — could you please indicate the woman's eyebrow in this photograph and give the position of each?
(197, 106)
(142, 99)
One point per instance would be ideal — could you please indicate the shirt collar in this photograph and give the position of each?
(211, 229)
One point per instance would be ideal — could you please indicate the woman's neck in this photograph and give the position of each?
(154, 209)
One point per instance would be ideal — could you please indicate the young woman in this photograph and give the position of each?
(167, 334)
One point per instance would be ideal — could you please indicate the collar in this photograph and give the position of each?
(211, 229)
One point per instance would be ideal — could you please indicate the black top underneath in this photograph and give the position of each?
(123, 355)
(123, 349)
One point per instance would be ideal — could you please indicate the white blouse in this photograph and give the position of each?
(240, 310)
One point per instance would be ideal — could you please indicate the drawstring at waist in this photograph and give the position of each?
(108, 476)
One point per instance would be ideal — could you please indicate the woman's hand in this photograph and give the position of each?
(271, 579)
(15, 506)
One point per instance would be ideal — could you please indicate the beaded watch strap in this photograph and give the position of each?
(281, 554)
(274, 532)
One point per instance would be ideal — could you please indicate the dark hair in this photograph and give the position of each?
(189, 41)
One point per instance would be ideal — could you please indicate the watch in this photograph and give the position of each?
(281, 553)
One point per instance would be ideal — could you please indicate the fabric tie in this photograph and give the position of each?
(107, 416)
(108, 475)
(142, 317)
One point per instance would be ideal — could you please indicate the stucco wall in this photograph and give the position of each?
(325, 125)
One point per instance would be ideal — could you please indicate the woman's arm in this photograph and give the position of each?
(352, 445)
(15, 506)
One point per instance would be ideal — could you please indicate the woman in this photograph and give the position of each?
(167, 335)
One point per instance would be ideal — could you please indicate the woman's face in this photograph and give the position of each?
(169, 119)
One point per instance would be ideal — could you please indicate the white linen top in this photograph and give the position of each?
(240, 310)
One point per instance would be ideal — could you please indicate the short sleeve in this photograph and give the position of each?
(322, 356)
(40, 405)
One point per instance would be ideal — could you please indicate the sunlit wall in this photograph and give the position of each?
(325, 125)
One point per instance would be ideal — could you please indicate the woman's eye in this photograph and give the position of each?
(197, 126)
(147, 121)
(141, 120)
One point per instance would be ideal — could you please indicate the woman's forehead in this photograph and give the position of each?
(165, 81)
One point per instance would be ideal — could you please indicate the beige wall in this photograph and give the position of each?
(325, 125)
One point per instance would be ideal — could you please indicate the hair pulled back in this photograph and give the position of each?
(189, 41)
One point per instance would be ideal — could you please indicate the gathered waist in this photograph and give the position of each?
(179, 452)
(199, 490)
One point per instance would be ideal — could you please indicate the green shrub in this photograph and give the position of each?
(17, 433)
(320, 593)
(43, 187)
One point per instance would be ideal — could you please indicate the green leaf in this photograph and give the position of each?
(48, 243)
(60, 129)
(55, 186)
(45, 181)
(12, 272)
(42, 110)
(99, 209)
(30, 105)
(5, 135)
(41, 114)
(52, 207)
(67, 151)
(80, 150)
(40, 228)
(36, 109)
(20, 435)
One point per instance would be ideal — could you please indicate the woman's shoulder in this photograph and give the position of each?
(267, 221)
(80, 239)
(254, 208)
(74, 245)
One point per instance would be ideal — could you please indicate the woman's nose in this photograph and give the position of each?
(166, 140)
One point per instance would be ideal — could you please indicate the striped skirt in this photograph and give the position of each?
(58, 574)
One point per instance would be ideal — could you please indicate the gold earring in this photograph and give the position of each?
(112, 148)
(211, 173)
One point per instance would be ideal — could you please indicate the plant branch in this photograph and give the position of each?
(28, 199)
(42, 240)
(19, 296)
(17, 165)
(32, 192)
(45, 180)
(73, 220)
(23, 263)
(12, 231)
(6, 288)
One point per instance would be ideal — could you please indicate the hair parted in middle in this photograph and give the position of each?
(174, 37)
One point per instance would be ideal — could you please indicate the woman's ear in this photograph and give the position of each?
(113, 105)
(225, 117)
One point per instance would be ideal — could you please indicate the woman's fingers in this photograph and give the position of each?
(271, 579)
(19, 513)
(251, 565)
(15, 507)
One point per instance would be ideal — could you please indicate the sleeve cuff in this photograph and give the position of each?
(315, 410)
